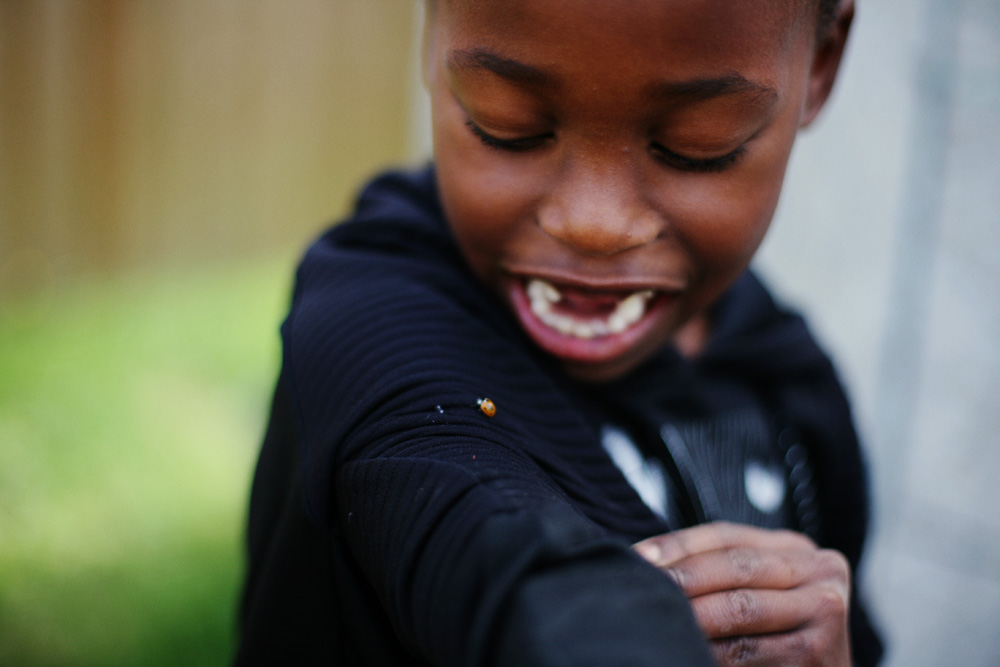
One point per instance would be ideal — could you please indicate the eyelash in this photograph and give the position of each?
(706, 165)
(662, 153)
(519, 145)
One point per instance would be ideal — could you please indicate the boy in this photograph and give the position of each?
(505, 371)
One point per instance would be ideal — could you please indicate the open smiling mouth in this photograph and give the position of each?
(583, 314)
(586, 324)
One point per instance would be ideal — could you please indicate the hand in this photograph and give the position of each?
(762, 597)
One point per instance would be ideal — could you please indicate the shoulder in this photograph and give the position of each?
(389, 276)
(395, 233)
(391, 339)
(384, 298)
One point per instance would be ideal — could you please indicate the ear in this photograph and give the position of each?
(826, 62)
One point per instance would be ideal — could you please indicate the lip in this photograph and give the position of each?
(596, 283)
(598, 350)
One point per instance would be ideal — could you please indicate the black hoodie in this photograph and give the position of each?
(393, 522)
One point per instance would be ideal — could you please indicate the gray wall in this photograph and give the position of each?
(888, 237)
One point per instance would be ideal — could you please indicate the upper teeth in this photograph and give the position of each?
(542, 295)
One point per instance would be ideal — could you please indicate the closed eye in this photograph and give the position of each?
(518, 145)
(685, 163)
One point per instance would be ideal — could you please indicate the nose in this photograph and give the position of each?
(599, 212)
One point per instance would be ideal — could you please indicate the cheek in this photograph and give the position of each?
(722, 218)
(488, 198)
(479, 210)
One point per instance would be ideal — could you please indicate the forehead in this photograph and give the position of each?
(606, 35)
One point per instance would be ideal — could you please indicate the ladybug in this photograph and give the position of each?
(487, 407)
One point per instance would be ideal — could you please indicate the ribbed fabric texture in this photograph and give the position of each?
(438, 534)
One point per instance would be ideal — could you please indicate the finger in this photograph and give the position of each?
(742, 567)
(810, 646)
(749, 611)
(664, 550)
(750, 567)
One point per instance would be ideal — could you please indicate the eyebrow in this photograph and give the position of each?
(676, 92)
(511, 70)
(701, 90)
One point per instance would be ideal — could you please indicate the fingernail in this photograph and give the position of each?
(649, 550)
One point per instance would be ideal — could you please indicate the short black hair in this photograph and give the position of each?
(826, 14)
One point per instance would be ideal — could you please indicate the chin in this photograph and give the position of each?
(608, 370)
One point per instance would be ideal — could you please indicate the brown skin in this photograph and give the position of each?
(617, 145)
(599, 191)
(762, 597)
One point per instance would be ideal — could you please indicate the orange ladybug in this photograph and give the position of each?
(487, 407)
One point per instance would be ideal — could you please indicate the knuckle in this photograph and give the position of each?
(805, 650)
(831, 602)
(746, 563)
(742, 650)
(744, 608)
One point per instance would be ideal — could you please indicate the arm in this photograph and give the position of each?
(467, 580)
(474, 551)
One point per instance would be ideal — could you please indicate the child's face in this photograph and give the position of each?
(609, 167)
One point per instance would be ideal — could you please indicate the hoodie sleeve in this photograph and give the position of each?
(476, 554)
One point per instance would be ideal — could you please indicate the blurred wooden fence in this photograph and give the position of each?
(152, 131)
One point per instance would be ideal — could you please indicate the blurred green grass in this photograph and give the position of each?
(130, 415)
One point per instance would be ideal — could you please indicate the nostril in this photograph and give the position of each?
(598, 232)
